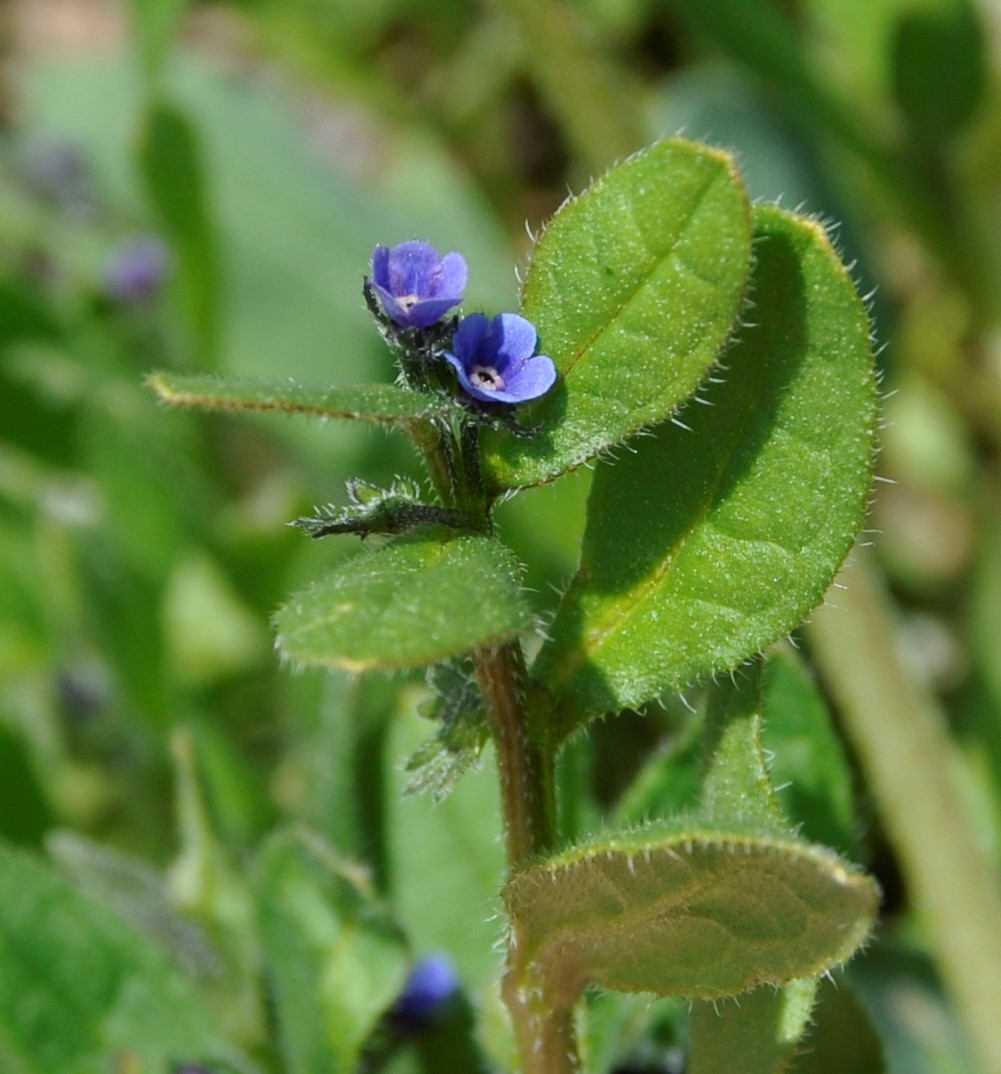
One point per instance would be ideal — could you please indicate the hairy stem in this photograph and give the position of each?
(901, 737)
(525, 764)
(546, 1034)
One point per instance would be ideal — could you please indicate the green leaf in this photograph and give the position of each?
(691, 911)
(463, 730)
(171, 166)
(758, 1034)
(634, 287)
(704, 546)
(703, 906)
(156, 22)
(420, 599)
(842, 1036)
(938, 67)
(736, 790)
(809, 763)
(378, 404)
(446, 860)
(335, 962)
(79, 988)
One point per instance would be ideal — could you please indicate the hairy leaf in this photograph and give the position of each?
(688, 911)
(758, 1034)
(810, 765)
(704, 546)
(634, 287)
(378, 404)
(420, 599)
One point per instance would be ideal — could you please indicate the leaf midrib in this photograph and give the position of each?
(608, 323)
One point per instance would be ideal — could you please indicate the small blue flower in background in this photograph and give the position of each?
(136, 271)
(496, 362)
(415, 285)
(432, 983)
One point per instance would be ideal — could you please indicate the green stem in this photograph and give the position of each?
(901, 737)
(546, 1034)
(435, 443)
(525, 764)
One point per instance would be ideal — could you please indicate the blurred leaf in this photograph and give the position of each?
(759, 35)
(171, 164)
(380, 404)
(335, 961)
(446, 860)
(917, 1025)
(809, 766)
(343, 759)
(665, 231)
(300, 206)
(24, 809)
(156, 21)
(687, 911)
(669, 783)
(704, 545)
(757, 1034)
(209, 631)
(204, 883)
(419, 599)
(841, 1037)
(138, 894)
(28, 417)
(938, 59)
(80, 990)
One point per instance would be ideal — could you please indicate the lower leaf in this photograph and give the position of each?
(696, 912)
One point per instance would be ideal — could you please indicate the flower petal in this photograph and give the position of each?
(532, 378)
(514, 339)
(425, 313)
(471, 339)
(380, 267)
(451, 281)
(412, 266)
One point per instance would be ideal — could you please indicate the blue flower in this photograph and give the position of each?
(432, 983)
(136, 271)
(415, 286)
(496, 362)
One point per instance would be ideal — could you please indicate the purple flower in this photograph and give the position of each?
(415, 286)
(430, 986)
(496, 362)
(136, 271)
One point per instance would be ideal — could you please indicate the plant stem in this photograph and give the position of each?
(525, 764)
(901, 737)
(547, 1037)
(435, 443)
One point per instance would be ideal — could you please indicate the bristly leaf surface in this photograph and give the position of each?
(708, 905)
(420, 599)
(704, 546)
(635, 288)
(379, 404)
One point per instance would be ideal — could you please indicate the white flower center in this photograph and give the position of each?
(408, 301)
(485, 376)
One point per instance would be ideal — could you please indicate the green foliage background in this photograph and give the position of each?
(152, 747)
